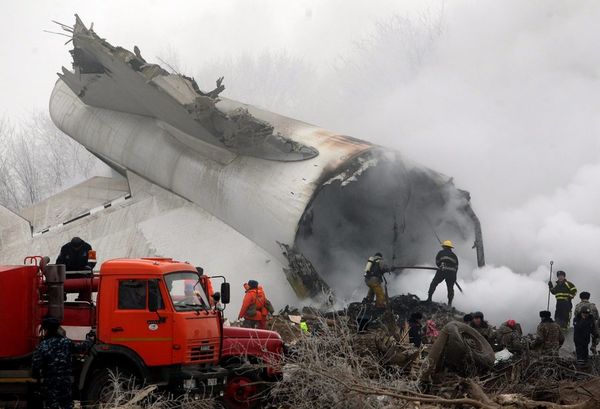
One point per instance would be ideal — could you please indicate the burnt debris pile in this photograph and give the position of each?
(363, 358)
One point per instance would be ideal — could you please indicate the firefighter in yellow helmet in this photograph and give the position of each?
(447, 264)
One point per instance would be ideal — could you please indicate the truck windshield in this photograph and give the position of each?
(186, 292)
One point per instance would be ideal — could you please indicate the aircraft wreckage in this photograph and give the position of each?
(317, 201)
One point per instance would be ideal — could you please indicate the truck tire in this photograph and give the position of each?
(104, 383)
(466, 345)
(243, 390)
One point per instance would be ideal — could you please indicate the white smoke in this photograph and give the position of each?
(503, 97)
(506, 103)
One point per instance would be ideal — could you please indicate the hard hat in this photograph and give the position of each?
(477, 314)
(511, 323)
(561, 273)
(252, 283)
(447, 243)
(378, 254)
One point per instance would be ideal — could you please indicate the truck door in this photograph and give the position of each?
(133, 325)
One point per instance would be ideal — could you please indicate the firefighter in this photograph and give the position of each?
(447, 264)
(253, 309)
(509, 336)
(564, 291)
(482, 326)
(584, 329)
(549, 336)
(74, 255)
(52, 364)
(585, 302)
(374, 271)
(415, 329)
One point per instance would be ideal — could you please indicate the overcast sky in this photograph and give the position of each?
(315, 30)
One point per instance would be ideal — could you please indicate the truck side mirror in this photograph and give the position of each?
(225, 293)
(154, 298)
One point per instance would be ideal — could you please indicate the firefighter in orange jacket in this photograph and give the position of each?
(253, 308)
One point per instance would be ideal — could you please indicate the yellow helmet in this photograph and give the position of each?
(447, 243)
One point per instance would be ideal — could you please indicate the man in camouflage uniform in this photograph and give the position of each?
(482, 326)
(549, 337)
(52, 364)
(585, 302)
(509, 336)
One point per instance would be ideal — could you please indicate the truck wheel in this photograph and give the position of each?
(105, 385)
(243, 390)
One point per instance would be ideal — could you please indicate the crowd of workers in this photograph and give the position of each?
(548, 339)
(550, 332)
(52, 359)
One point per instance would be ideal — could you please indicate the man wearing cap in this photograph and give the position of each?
(564, 291)
(447, 264)
(74, 255)
(482, 326)
(585, 329)
(253, 309)
(509, 336)
(549, 336)
(585, 302)
(52, 364)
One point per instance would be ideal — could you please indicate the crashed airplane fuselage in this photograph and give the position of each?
(319, 201)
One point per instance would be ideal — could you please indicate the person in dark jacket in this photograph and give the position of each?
(584, 331)
(415, 329)
(52, 364)
(564, 291)
(74, 255)
(447, 264)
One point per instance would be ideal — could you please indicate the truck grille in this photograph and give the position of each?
(201, 351)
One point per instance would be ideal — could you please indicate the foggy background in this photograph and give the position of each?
(502, 96)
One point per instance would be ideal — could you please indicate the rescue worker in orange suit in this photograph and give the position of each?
(253, 309)
(447, 264)
(74, 255)
(564, 291)
(374, 271)
(206, 283)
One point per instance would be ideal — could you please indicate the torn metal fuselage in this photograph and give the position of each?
(114, 78)
(330, 200)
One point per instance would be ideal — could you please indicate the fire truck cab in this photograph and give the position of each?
(146, 325)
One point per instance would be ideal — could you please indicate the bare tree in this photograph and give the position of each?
(37, 160)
